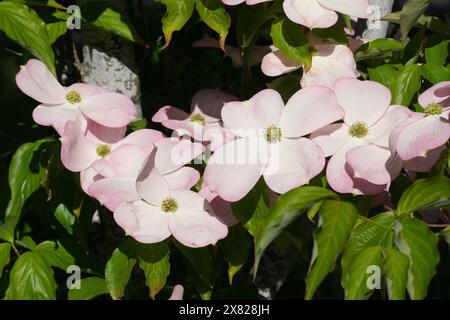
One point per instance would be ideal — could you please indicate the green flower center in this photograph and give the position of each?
(103, 150)
(169, 205)
(198, 118)
(273, 134)
(358, 130)
(433, 109)
(73, 97)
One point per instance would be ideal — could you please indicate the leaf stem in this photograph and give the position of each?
(15, 249)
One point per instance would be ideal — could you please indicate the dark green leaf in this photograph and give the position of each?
(335, 33)
(214, 15)
(178, 13)
(379, 48)
(31, 278)
(118, 269)
(5, 256)
(435, 73)
(427, 193)
(428, 22)
(396, 273)
(335, 224)
(236, 247)
(23, 25)
(379, 232)
(249, 21)
(287, 208)
(290, 39)
(251, 210)
(65, 217)
(356, 286)
(107, 16)
(437, 53)
(202, 265)
(411, 12)
(89, 288)
(56, 30)
(154, 261)
(419, 244)
(26, 174)
(286, 85)
(55, 255)
(384, 74)
(406, 84)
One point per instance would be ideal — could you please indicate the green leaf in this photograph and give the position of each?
(286, 85)
(26, 175)
(406, 84)
(236, 247)
(202, 267)
(251, 210)
(89, 289)
(290, 39)
(379, 48)
(65, 217)
(446, 234)
(437, 53)
(384, 74)
(427, 193)
(250, 20)
(7, 232)
(154, 261)
(396, 273)
(420, 245)
(214, 15)
(435, 73)
(23, 25)
(118, 269)
(31, 278)
(335, 224)
(427, 22)
(356, 286)
(379, 232)
(107, 16)
(411, 12)
(177, 15)
(286, 209)
(5, 256)
(56, 30)
(45, 3)
(55, 255)
(335, 33)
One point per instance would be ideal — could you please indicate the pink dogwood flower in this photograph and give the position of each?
(270, 142)
(177, 293)
(432, 129)
(103, 148)
(204, 121)
(161, 212)
(422, 163)
(248, 2)
(76, 103)
(221, 207)
(171, 156)
(361, 161)
(330, 62)
(322, 13)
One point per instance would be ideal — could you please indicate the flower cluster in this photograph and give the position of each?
(316, 13)
(145, 178)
